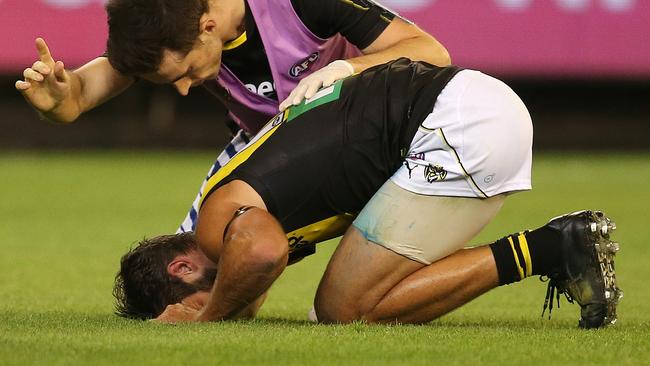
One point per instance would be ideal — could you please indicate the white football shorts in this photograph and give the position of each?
(477, 142)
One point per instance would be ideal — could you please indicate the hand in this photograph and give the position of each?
(178, 313)
(322, 78)
(46, 83)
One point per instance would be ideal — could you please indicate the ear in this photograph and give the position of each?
(208, 28)
(207, 24)
(181, 266)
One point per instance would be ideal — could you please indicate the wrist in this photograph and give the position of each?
(343, 64)
(59, 114)
(65, 110)
(203, 316)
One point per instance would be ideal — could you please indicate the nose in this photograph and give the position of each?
(183, 86)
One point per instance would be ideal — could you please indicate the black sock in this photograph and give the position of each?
(525, 254)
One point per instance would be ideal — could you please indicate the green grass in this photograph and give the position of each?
(66, 218)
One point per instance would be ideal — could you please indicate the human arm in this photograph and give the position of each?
(250, 256)
(398, 39)
(189, 310)
(402, 39)
(62, 95)
(252, 309)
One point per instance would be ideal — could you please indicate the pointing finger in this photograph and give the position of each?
(43, 51)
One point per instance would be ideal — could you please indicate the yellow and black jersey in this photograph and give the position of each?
(317, 164)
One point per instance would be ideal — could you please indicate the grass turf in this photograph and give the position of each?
(66, 218)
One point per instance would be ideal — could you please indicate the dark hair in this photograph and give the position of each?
(143, 288)
(139, 30)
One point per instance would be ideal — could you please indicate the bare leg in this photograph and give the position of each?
(366, 281)
(402, 260)
(438, 288)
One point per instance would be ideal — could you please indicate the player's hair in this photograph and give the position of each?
(139, 30)
(143, 288)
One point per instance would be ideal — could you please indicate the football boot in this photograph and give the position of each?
(586, 273)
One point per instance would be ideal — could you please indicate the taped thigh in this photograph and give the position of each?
(421, 227)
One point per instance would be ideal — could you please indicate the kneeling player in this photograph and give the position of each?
(423, 157)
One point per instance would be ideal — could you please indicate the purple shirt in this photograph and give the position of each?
(293, 52)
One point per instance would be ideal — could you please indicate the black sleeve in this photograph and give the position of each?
(359, 21)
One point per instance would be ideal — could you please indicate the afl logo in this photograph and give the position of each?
(303, 65)
(277, 120)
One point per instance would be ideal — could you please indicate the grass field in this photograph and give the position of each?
(66, 218)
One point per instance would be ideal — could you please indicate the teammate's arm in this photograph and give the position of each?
(402, 39)
(62, 95)
(381, 35)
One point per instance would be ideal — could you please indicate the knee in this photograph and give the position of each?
(335, 310)
(328, 312)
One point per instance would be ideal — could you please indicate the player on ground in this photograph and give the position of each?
(425, 156)
(250, 54)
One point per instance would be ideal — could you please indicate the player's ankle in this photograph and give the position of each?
(526, 254)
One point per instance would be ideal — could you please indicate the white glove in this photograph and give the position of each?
(322, 78)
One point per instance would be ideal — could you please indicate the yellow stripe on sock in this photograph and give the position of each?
(523, 245)
(514, 253)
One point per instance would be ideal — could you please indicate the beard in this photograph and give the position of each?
(206, 282)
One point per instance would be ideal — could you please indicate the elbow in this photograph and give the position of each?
(439, 54)
(269, 261)
(445, 58)
(436, 52)
(268, 255)
(262, 240)
(255, 242)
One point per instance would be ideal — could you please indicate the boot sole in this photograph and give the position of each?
(603, 252)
